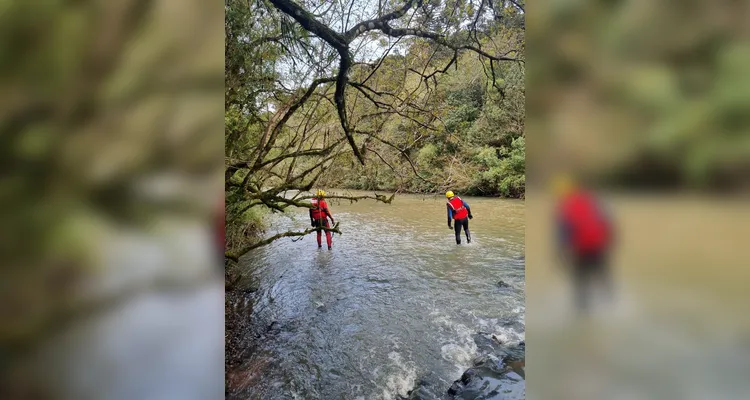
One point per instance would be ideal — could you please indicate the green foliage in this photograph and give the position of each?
(669, 96)
(244, 226)
(428, 155)
(503, 170)
(477, 146)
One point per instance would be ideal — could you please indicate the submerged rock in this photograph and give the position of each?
(424, 389)
(502, 284)
(497, 375)
(420, 393)
(487, 344)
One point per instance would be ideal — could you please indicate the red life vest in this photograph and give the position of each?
(319, 209)
(457, 205)
(590, 231)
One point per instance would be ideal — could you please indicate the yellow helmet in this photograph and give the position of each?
(321, 193)
(562, 184)
(449, 194)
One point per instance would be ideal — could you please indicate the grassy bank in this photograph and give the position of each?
(242, 227)
(437, 192)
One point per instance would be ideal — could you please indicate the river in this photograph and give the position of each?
(395, 302)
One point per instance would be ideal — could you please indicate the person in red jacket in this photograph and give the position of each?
(460, 213)
(319, 214)
(584, 238)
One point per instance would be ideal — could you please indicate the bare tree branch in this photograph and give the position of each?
(235, 256)
(373, 24)
(270, 137)
(518, 5)
(341, 44)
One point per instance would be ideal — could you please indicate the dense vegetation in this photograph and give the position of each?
(641, 94)
(473, 141)
(417, 96)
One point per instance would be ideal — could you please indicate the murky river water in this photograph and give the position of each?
(679, 328)
(396, 300)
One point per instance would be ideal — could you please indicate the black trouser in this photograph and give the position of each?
(457, 224)
(590, 270)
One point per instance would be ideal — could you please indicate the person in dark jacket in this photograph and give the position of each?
(459, 212)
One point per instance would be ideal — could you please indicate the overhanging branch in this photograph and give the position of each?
(235, 256)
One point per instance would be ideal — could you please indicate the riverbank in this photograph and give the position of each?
(242, 369)
(464, 192)
(238, 310)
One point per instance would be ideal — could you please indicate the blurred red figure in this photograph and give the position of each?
(319, 215)
(584, 239)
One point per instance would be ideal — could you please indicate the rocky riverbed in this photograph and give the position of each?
(498, 373)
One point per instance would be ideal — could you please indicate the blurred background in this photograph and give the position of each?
(645, 104)
(111, 127)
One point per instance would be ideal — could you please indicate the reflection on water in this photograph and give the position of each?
(396, 301)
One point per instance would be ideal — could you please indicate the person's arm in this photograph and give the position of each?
(312, 220)
(450, 215)
(468, 209)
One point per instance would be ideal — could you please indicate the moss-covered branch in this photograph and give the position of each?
(280, 203)
(235, 256)
(378, 197)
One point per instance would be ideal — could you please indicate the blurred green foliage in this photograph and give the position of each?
(105, 107)
(643, 93)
